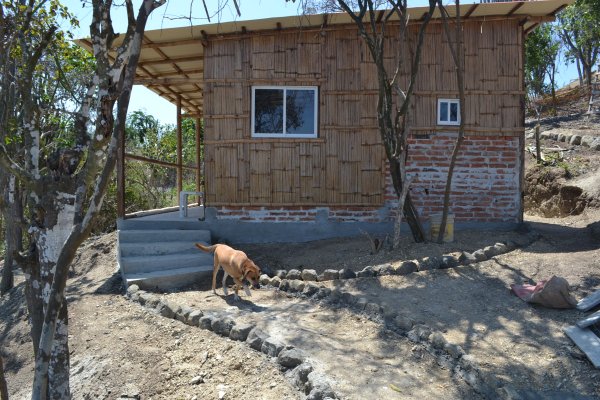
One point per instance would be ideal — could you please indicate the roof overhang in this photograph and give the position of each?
(172, 60)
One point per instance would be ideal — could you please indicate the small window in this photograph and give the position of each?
(448, 112)
(284, 111)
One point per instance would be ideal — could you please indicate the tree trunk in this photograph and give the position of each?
(579, 72)
(49, 240)
(3, 385)
(14, 235)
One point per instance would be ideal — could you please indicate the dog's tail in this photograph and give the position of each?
(208, 249)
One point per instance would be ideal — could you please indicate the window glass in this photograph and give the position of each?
(454, 112)
(280, 111)
(443, 111)
(300, 111)
(268, 111)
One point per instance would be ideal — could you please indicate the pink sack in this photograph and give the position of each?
(552, 293)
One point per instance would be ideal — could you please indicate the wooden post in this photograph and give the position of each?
(179, 151)
(198, 158)
(121, 176)
(538, 151)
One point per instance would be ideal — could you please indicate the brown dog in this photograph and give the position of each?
(235, 263)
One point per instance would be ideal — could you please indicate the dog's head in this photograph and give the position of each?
(251, 273)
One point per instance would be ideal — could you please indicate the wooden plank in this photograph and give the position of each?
(587, 341)
(590, 320)
(587, 303)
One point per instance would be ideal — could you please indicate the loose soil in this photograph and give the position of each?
(122, 350)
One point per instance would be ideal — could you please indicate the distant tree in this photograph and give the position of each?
(542, 48)
(580, 33)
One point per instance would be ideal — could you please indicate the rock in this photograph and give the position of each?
(271, 347)
(293, 274)
(575, 140)
(281, 273)
(587, 140)
(284, 285)
(466, 258)
(361, 303)
(500, 248)
(595, 145)
(309, 275)
(310, 289)
(256, 338)
(149, 300)
(562, 137)
(437, 340)
(347, 273)
(407, 267)
(323, 292)
(468, 362)
(348, 298)
(454, 350)
(317, 387)
(196, 380)
(385, 269)
(299, 375)
(222, 326)
(275, 281)
(265, 269)
(264, 279)
(329, 275)
(240, 332)
(185, 313)
(132, 289)
(166, 309)
(366, 272)
(480, 255)
(489, 252)
(429, 263)
(373, 309)
(290, 358)
(296, 285)
(449, 261)
(403, 323)
(419, 333)
(194, 318)
(205, 322)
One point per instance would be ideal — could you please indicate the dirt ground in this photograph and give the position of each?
(121, 350)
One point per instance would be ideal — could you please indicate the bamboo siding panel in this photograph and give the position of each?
(345, 164)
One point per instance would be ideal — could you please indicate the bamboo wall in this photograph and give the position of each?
(345, 164)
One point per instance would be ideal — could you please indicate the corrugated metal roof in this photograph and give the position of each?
(172, 60)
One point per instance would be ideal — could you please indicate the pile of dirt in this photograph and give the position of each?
(547, 193)
(568, 180)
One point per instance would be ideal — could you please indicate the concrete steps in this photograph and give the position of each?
(163, 259)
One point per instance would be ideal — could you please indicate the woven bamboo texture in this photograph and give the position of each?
(345, 165)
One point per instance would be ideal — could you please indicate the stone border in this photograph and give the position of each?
(405, 268)
(303, 284)
(593, 142)
(315, 385)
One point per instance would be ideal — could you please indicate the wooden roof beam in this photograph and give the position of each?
(171, 60)
(158, 45)
(515, 8)
(471, 10)
(155, 81)
(175, 73)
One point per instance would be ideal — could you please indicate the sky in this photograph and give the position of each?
(174, 14)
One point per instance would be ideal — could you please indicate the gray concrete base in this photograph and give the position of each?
(239, 232)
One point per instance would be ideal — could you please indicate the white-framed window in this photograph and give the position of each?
(448, 112)
(284, 111)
